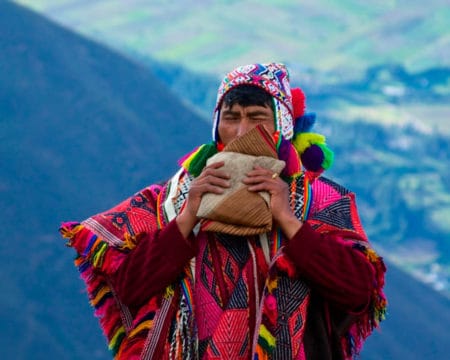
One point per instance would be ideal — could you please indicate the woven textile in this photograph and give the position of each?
(218, 312)
(238, 211)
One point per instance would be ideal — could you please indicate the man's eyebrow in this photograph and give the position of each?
(230, 112)
(257, 112)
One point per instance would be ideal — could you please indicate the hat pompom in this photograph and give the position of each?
(298, 102)
(312, 158)
(316, 156)
(304, 123)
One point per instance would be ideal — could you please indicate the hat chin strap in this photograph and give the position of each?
(215, 129)
(283, 119)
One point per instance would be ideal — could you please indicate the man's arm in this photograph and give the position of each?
(158, 261)
(332, 266)
(153, 264)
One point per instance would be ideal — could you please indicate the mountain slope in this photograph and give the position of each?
(417, 319)
(82, 128)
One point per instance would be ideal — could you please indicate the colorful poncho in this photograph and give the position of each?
(263, 317)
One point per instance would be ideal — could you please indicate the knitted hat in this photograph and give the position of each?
(289, 110)
(273, 78)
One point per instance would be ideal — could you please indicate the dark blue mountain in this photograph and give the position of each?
(81, 129)
(416, 326)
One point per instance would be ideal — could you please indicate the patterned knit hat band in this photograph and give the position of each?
(273, 78)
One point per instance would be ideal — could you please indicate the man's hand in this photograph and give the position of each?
(261, 179)
(211, 180)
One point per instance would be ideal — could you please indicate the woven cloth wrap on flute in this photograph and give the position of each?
(238, 211)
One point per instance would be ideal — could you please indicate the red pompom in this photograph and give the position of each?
(298, 102)
(270, 309)
(286, 266)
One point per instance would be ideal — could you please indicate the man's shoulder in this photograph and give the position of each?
(324, 183)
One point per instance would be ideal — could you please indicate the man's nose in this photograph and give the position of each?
(244, 126)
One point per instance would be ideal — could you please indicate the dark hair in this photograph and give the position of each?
(247, 95)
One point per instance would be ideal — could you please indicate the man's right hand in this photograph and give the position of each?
(211, 180)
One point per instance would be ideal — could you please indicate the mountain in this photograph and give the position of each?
(417, 322)
(82, 128)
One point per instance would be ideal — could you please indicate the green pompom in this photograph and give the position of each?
(302, 141)
(328, 156)
(198, 160)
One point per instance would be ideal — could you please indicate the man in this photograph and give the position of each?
(166, 283)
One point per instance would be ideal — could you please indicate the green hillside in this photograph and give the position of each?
(213, 36)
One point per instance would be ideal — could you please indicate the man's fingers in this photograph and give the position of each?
(220, 180)
(260, 171)
(213, 170)
(214, 189)
(256, 178)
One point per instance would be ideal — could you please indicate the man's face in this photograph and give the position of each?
(236, 120)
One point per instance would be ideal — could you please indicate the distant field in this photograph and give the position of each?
(427, 118)
(215, 36)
